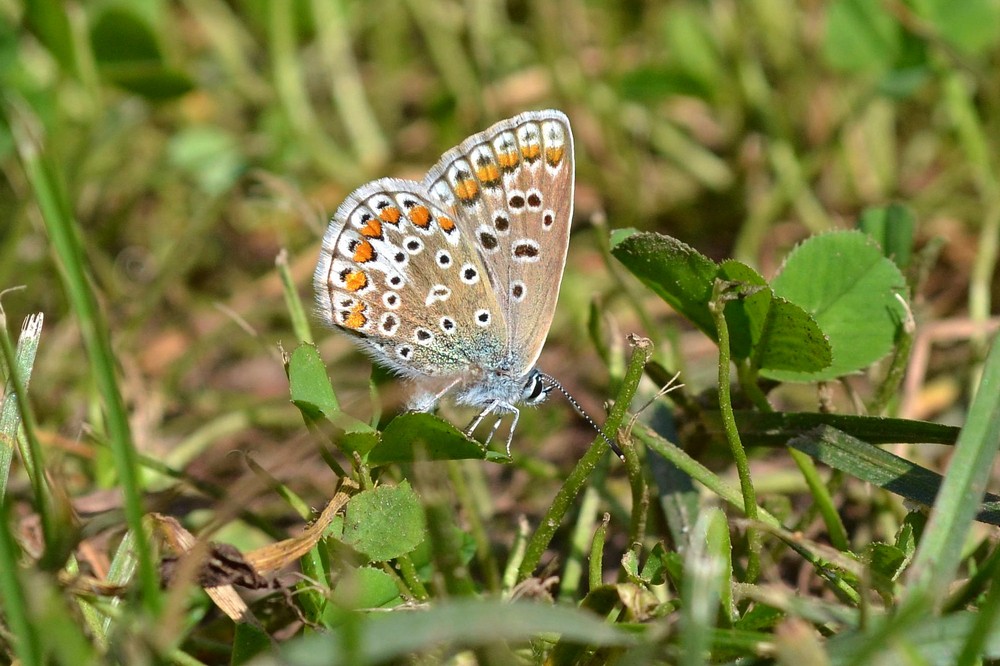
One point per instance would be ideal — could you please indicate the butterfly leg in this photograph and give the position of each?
(493, 429)
(425, 400)
(513, 426)
(479, 419)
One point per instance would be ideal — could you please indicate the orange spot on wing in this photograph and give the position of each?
(553, 156)
(467, 190)
(488, 174)
(355, 280)
(372, 229)
(531, 152)
(364, 252)
(390, 214)
(509, 161)
(420, 216)
(446, 223)
(356, 319)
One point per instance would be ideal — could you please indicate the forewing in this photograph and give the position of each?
(511, 188)
(400, 272)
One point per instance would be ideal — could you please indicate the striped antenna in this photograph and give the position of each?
(579, 410)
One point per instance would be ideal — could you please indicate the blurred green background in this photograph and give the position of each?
(195, 140)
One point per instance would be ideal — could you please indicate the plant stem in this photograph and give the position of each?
(641, 351)
(717, 306)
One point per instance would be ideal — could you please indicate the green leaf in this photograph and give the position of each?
(122, 35)
(885, 561)
(693, 49)
(881, 468)
(970, 26)
(760, 617)
(654, 571)
(49, 22)
(653, 83)
(861, 36)
(903, 82)
(311, 391)
(210, 155)
(681, 275)
(778, 335)
(366, 587)
(309, 385)
(464, 622)
(893, 228)
(384, 522)
(776, 428)
(420, 436)
(851, 289)
(248, 642)
(147, 80)
(129, 55)
(619, 235)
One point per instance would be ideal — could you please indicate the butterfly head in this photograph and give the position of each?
(535, 390)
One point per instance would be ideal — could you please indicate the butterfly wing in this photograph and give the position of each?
(400, 273)
(511, 187)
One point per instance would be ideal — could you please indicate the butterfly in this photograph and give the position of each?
(453, 281)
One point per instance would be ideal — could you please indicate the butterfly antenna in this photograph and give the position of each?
(586, 417)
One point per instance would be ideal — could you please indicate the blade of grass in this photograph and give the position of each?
(700, 593)
(288, 80)
(880, 468)
(347, 88)
(596, 572)
(10, 413)
(477, 527)
(983, 626)
(940, 551)
(972, 136)
(300, 323)
(446, 49)
(58, 537)
(65, 238)
(122, 569)
(583, 530)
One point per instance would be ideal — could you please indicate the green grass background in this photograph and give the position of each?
(181, 146)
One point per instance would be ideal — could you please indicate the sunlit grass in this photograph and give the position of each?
(166, 172)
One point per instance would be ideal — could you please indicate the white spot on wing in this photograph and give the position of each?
(438, 292)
